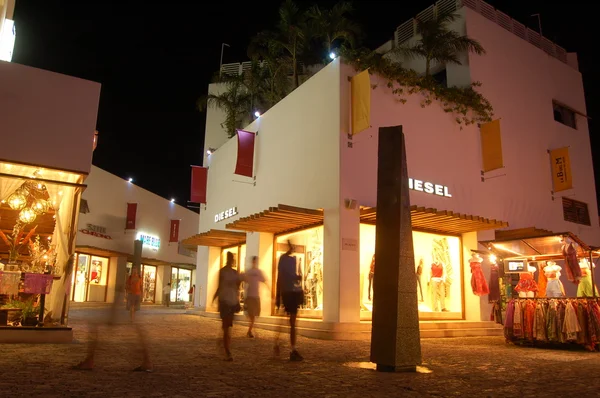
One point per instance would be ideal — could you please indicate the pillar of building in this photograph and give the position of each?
(261, 244)
(117, 275)
(208, 262)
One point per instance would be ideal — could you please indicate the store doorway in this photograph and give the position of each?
(181, 280)
(89, 278)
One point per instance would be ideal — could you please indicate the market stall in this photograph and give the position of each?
(548, 294)
(38, 214)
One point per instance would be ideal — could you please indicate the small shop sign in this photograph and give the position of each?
(429, 187)
(152, 242)
(95, 230)
(226, 214)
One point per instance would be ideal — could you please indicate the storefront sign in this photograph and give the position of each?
(561, 169)
(226, 214)
(152, 242)
(350, 244)
(429, 187)
(95, 230)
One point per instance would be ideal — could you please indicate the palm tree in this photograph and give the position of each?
(439, 43)
(333, 24)
(235, 101)
(288, 41)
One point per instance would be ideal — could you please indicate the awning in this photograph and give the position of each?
(278, 220)
(216, 238)
(437, 221)
(100, 252)
(540, 247)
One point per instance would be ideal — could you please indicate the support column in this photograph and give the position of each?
(395, 338)
(331, 265)
(208, 263)
(117, 275)
(261, 244)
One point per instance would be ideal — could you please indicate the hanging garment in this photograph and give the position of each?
(526, 283)
(552, 321)
(438, 298)
(494, 284)
(478, 283)
(592, 336)
(518, 321)
(509, 324)
(572, 263)
(582, 335)
(584, 289)
(571, 324)
(553, 288)
(496, 314)
(9, 282)
(562, 336)
(528, 319)
(542, 282)
(539, 331)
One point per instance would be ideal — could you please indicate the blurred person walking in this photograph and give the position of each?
(229, 301)
(252, 278)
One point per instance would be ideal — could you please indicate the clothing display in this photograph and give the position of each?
(371, 275)
(419, 273)
(584, 288)
(554, 321)
(553, 289)
(542, 283)
(494, 285)
(441, 255)
(437, 270)
(571, 263)
(478, 282)
(526, 283)
(439, 295)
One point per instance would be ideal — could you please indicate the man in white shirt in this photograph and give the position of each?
(252, 278)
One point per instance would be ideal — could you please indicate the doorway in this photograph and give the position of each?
(181, 282)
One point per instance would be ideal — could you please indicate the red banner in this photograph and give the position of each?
(245, 154)
(174, 234)
(131, 212)
(198, 187)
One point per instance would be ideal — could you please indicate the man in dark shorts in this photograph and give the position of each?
(289, 292)
(229, 302)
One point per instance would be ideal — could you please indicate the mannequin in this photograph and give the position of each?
(437, 282)
(527, 286)
(569, 250)
(478, 283)
(584, 289)
(371, 274)
(419, 273)
(554, 287)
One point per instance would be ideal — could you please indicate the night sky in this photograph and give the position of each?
(155, 60)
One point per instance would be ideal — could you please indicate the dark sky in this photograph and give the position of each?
(154, 59)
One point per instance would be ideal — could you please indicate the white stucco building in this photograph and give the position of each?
(308, 172)
(105, 247)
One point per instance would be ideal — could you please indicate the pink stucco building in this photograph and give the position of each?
(307, 179)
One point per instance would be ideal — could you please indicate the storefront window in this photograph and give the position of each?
(149, 277)
(80, 278)
(308, 250)
(437, 267)
(97, 279)
(181, 282)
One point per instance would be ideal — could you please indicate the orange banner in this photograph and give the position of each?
(562, 178)
(361, 102)
(491, 146)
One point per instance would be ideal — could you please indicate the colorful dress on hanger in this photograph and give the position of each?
(478, 283)
(572, 263)
(584, 288)
(494, 284)
(526, 283)
(542, 283)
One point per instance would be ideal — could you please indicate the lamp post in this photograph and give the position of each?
(221, 63)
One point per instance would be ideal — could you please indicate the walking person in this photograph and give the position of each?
(88, 362)
(229, 301)
(133, 288)
(167, 293)
(289, 292)
(252, 278)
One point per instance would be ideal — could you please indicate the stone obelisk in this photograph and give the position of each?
(395, 339)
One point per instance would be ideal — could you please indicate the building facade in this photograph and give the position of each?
(315, 185)
(105, 242)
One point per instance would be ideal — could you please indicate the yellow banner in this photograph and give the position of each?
(561, 169)
(361, 102)
(491, 146)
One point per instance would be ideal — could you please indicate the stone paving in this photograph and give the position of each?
(189, 364)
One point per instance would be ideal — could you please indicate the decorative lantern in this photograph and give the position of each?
(17, 200)
(40, 206)
(27, 215)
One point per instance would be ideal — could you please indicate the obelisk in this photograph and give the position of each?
(395, 338)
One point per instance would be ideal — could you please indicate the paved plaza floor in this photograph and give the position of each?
(189, 364)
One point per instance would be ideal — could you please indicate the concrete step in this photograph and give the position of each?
(318, 329)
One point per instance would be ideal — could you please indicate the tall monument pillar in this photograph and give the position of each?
(395, 338)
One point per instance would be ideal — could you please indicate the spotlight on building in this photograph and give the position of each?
(210, 151)
(332, 55)
(172, 200)
(257, 114)
(130, 179)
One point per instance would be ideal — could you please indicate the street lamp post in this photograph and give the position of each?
(221, 63)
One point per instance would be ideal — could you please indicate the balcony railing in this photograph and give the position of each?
(408, 29)
(236, 69)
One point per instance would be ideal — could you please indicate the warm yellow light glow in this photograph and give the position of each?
(493, 258)
(59, 193)
(27, 215)
(39, 186)
(17, 201)
(502, 247)
(40, 206)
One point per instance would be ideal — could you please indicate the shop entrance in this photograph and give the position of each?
(89, 278)
(181, 282)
